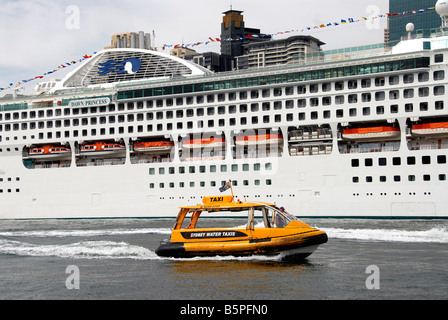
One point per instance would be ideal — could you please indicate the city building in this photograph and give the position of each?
(234, 35)
(278, 52)
(422, 21)
(133, 40)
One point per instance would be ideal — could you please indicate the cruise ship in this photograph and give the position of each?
(132, 133)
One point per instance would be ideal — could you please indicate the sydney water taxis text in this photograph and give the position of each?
(229, 309)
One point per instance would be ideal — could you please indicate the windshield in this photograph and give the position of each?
(278, 218)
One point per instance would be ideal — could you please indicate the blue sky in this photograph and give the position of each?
(39, 35)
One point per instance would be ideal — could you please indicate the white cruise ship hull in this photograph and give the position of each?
(313, 171)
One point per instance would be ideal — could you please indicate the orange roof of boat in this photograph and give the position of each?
(217, 203)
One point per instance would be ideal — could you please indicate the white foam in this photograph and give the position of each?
(83, 233)
(83, 249)
(434, 235)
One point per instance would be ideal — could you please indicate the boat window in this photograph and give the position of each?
(278, 219)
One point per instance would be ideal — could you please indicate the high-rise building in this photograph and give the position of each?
(140, 40)
(291, 50)
(422, 21)
(234, 35)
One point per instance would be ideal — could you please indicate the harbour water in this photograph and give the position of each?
(115, 259)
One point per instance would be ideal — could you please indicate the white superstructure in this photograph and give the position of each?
(360, 132)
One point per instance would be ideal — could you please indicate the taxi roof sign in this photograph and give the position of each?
(217, 200)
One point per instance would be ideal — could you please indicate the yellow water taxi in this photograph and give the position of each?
(269, 231)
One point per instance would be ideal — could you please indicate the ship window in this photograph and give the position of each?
(393, 80)
(397, 178)
(366, 111)
(439, 90)
(438, 58)
(408, 78)
(441, 159)
(191, 169)
(368, 162)
(442, 177)
(439, 105)
(379, 82)
(439, 75)
(301, 103)
(339, 85)
(426, 160)
(268, 182)
(394, 108)
(423, 106)
(223, 168)
(383, 179)
(380, 110)
(426, 177)
(234, 167)
(408, 107)
(411, 160)
(411, 177)
(423, 76)
(382, 161)
(355, 163)
(423, 92)
(161, 170)
(380, 96)
(396, 161)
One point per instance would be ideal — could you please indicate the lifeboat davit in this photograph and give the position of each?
(430, 129)
(50, 152)
(153, 146)
(102, 148)
(211, 143)
(372, 133)
(259, 139)
(280, 235)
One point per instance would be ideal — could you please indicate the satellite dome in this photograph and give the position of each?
(442, 8)
(410, 27)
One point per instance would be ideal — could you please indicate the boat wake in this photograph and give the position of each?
(434, 235)
(82, 250)
(83, 233)
(92, 248)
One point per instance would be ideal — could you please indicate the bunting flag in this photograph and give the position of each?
(61, 66)
(321, 26)
(248, 36)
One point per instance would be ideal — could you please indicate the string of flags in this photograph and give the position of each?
(60, 67)
(217, 40)
(211, 40)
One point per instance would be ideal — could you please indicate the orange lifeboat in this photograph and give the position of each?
(211, 142)
(372, 133)
(153, 146)
(433, 128)
(50, 152)
(101, 148)
(259, 139)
